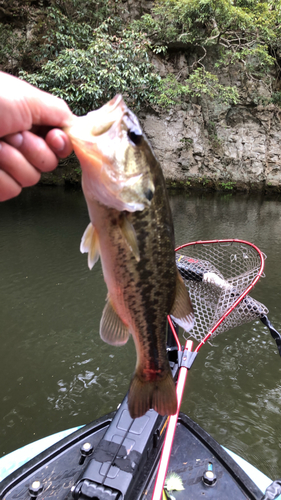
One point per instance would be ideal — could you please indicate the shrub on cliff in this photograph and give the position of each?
(35, 31)
(82, 51)
(244, 31)
(87, 68)
(110, 64)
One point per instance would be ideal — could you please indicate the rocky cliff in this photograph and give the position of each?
(238, 146)
(201, 141)
(207, 144)
(203, 144)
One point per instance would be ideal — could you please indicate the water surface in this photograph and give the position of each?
(56, 372)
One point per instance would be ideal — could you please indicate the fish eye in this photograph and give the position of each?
(149, 194)
(135, 138)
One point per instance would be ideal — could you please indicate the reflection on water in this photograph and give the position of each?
(57, 373)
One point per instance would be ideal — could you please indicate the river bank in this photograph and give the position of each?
(68, 173)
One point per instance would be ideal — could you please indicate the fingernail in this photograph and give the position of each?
(58, 143)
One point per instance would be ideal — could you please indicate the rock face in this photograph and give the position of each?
(204, 143)
(209, 146)
(239, 146)
(213, 144)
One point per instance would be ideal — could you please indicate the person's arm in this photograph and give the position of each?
(27, 148)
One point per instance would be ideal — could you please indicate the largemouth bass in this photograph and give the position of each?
(131, 229)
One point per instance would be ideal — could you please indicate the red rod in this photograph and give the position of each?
(174, 333)
(169, 438)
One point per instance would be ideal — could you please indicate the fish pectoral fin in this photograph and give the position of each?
(159, 394)
(182, 311)
(130, 236)
(112, 329)
(90, 244)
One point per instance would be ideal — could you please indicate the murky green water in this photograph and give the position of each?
(56, 372)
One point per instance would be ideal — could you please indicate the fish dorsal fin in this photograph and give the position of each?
(112, 329)
(182, 311)
(130, 236)
(90, 244)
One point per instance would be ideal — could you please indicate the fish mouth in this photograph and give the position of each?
(84, 129)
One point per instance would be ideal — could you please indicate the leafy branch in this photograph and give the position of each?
(87, 78)
(245, 31)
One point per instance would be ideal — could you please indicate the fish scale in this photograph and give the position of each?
(132, 231)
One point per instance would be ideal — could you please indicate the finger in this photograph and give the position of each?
(59, 142)
(34, 149)
(17, 166)
(46, 109)
(23, 105)
(9, 188)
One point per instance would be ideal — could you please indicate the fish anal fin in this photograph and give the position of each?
(90, 244)
(157, 394)
(112, 329)
(182, 311)
(130, 236)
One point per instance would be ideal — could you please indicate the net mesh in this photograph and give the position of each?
(216, 274)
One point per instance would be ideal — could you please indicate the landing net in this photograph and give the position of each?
(217, 273)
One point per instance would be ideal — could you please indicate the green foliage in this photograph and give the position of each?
(87, 78)
(276, 98)
(187, 143)
(82, 51)
(7, 44)
(70, 24)
(227, 185)
(244, 31)
(232, 24)
(200, 83)
(45, 31)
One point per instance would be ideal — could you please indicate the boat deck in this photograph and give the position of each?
(124, 461)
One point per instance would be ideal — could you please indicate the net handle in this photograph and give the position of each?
(246, 291)
(170, 432)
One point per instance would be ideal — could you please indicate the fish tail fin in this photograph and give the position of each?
(159, 394)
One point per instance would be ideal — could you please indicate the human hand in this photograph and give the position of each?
(27, 145)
